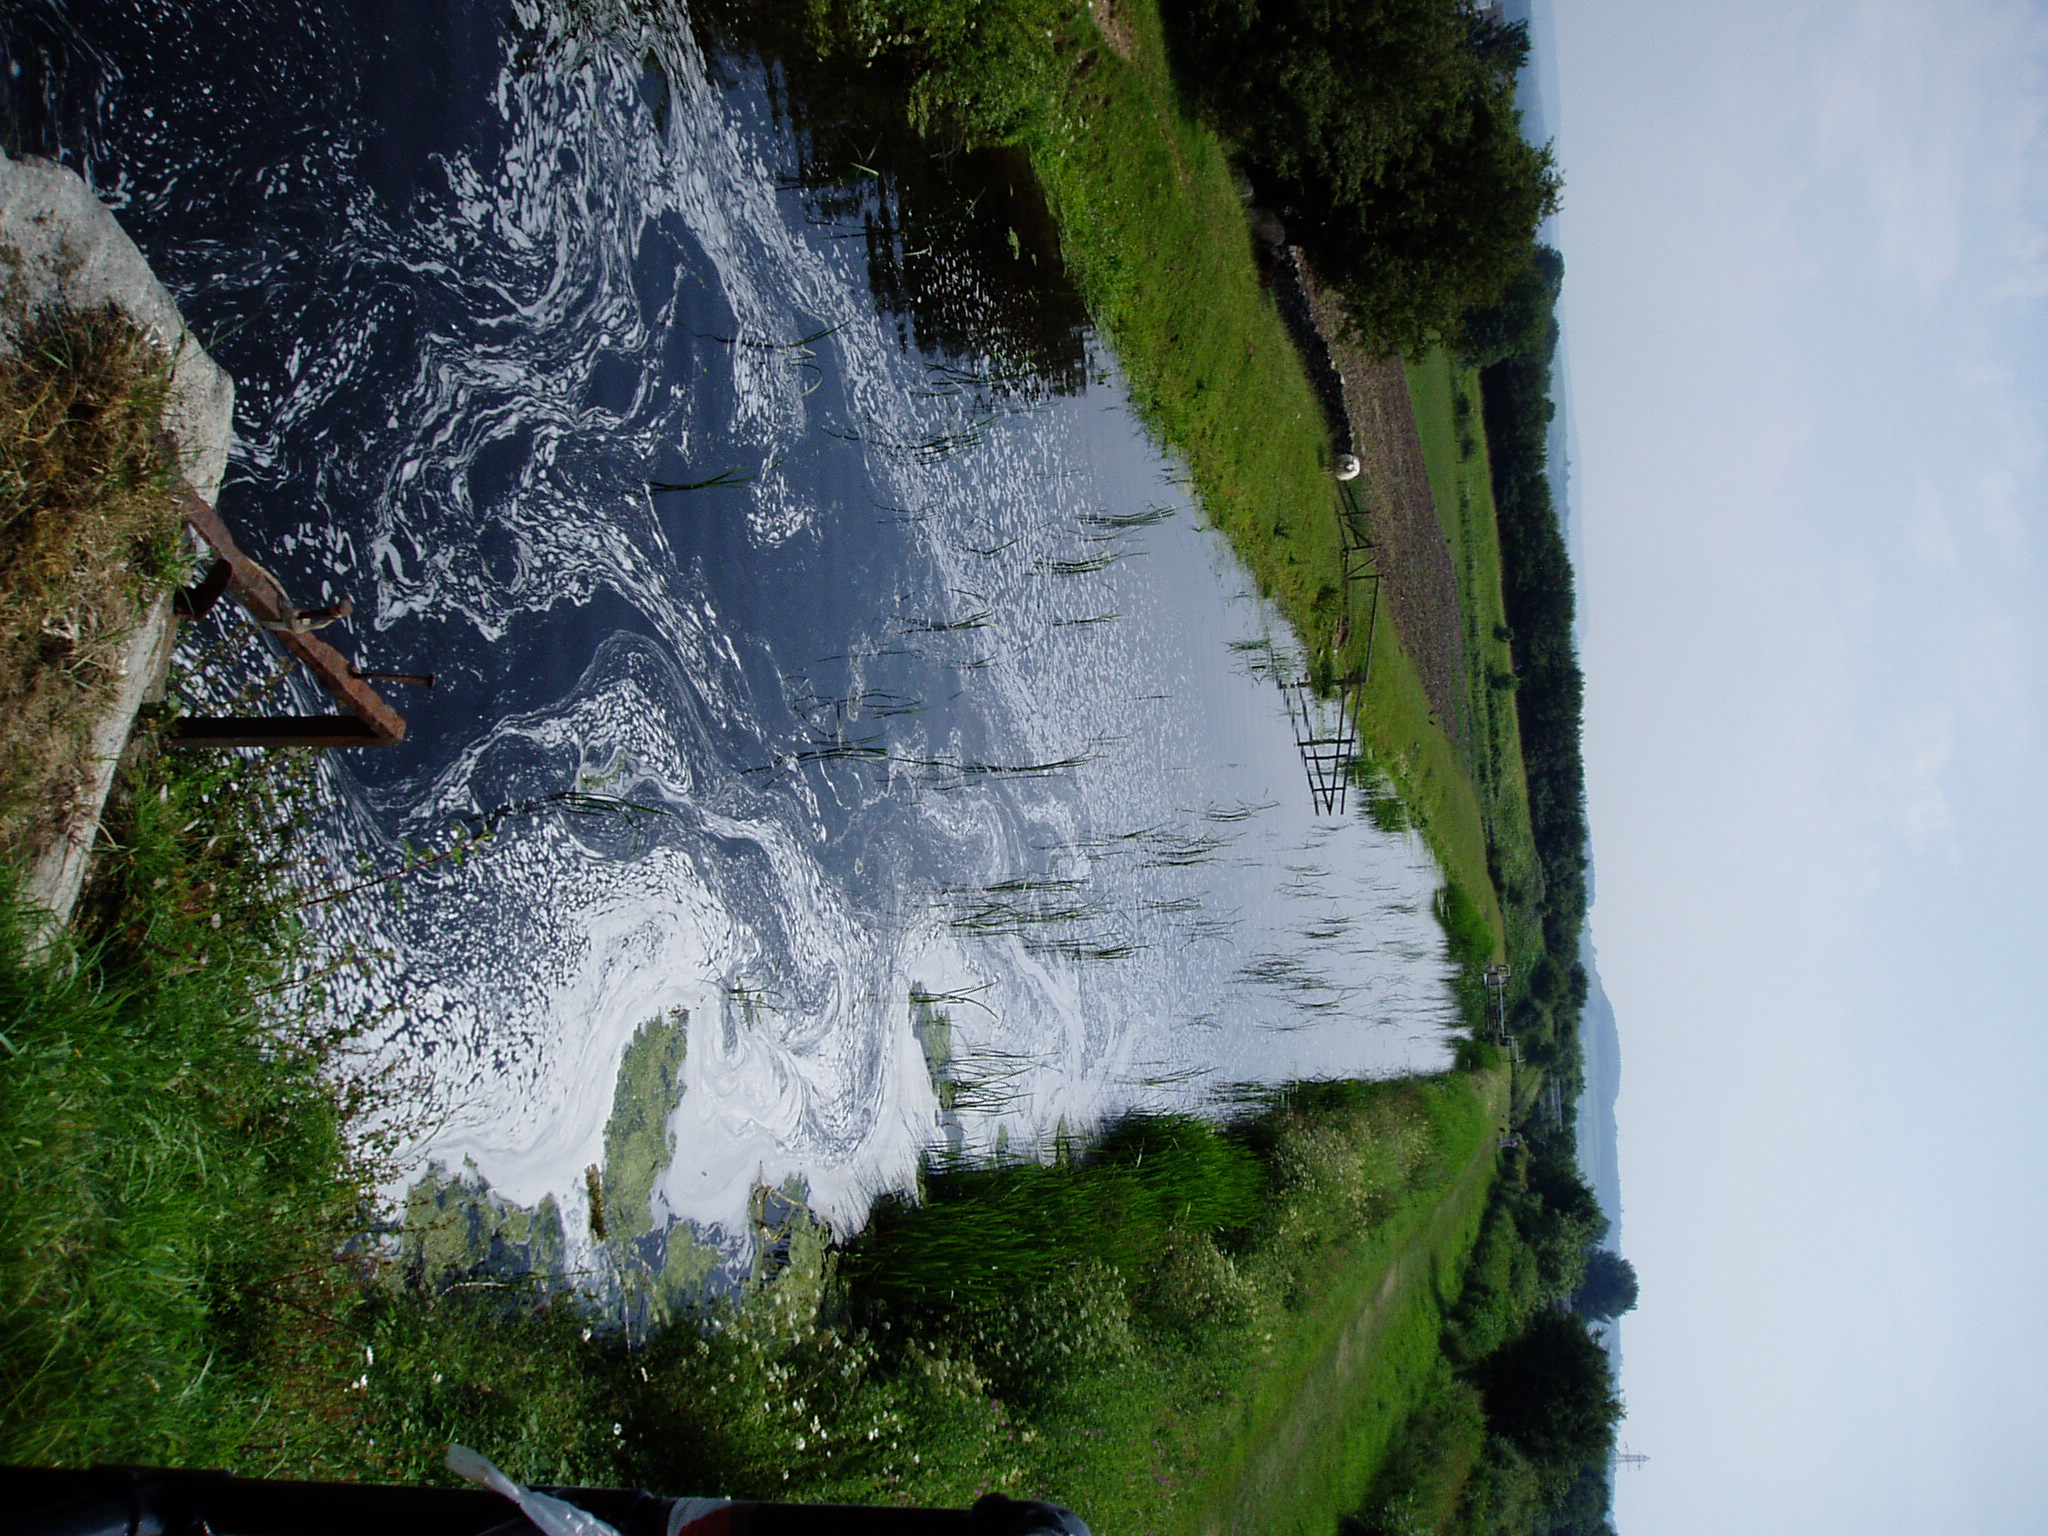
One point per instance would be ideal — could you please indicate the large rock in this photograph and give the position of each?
(72, 251)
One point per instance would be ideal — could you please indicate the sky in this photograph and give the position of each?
(1805, 301)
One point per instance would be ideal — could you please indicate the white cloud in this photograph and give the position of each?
(1925, 816)
(1939, 113)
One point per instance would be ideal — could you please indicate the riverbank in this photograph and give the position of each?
(1153, 228)
(177, 1183)
(106, 403)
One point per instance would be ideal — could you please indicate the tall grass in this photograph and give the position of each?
(175, 1177)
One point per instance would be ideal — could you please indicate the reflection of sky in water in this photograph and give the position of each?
(466, 342)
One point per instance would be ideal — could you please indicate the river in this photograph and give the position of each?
(942, 688)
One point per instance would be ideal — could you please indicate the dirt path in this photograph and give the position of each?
(1419, 575)
(1286, 1456)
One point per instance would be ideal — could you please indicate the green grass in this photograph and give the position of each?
(1447, 415)
(174, 1171)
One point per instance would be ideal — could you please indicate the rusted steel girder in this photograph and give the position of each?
(370, 722)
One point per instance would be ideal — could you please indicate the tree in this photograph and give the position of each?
(1387, 133)
(1610, 1287)
(1520, 321)
(1551, 1393)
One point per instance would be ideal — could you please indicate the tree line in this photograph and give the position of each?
(1513, 1436)
(1538, 593)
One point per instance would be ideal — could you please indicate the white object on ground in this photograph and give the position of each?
(555, 1517)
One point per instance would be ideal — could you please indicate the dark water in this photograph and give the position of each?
(945, 691)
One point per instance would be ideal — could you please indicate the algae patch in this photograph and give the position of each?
(639, 1266)
(638, 1145)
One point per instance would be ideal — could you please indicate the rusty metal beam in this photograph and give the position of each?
(370, 723)
(274, 731)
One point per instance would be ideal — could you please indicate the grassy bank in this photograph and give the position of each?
(1153, 224)
(1152, 228)
(173, 1175)
(1131, 1330)
(88, 536)
(174, 1178)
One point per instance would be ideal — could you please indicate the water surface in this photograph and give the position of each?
(944, 692)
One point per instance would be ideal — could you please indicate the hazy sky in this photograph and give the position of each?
(1807, 297)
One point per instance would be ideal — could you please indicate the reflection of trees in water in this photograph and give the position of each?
(962, 250)
(961, 247)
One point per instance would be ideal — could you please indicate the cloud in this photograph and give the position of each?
(1938, 112)
(1924, 814)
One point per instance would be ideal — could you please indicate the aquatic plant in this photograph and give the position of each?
(1083, 565)
(1120, 522)
(725, 479)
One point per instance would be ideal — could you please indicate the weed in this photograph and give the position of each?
(89, 533)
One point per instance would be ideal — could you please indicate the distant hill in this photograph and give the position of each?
(1600, 1038)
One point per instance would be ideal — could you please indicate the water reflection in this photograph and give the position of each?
(961, 248)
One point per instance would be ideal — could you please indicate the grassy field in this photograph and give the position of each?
(1447, 415)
